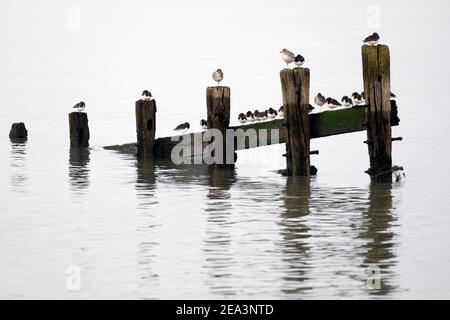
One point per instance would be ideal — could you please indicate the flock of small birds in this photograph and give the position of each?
(270, 114)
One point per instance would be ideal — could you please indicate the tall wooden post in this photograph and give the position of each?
(295, 89)
(218, 116)
(79, 130)
(145, 127)
(18, 132)
(377, 88)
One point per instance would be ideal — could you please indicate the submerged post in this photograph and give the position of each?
(295, 89)
(218, 117)
(79, 130)
(377, 88)
(18, 132)
(145, 127)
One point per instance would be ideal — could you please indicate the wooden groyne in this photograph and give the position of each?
(79, 130)
(18, 132)
(145, 127)
(321, 125)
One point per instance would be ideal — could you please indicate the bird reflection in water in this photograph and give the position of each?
(295, 233)
(219, 259)
(79, 169)
(19, 175)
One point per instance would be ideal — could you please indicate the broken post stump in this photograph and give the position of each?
(218, 117)
(145, 127)
(295, 90)
(79, 130)
(18, 132)
(377, 88)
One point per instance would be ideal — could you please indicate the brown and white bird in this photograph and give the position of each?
(332, 103)
(79, 107)
(372, 40)
(204, 124)
(217, 76)
(320, 100)
(287, 56)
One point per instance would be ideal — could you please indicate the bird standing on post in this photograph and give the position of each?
(146, 95)
(217, 76)
(372, 40)
(204, 124)
(287, 56)
(79, 107)
(299, 60)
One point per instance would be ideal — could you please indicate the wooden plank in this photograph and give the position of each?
(323, 124)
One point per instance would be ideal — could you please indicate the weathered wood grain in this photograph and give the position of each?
(145, 127)
(79, 130)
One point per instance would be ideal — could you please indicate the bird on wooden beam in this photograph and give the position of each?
(372, 40)
(217, 76)
(183, 127)
(299, 60)
(79, 107)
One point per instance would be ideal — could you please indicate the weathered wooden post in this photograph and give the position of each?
(218, 117)
(79, 130)
(295, 89)
(377, 88)
(145, 127)
(18, 132)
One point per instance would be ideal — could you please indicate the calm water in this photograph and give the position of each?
(151, 230)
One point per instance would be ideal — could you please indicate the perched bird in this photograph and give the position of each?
(319, 100)
(346, 101)
(299, 60)
(217, 76)
(332, 103)
(372, 40)
(183, 127)
(281, 112)
(393, 95)
(79, 107)
(260, 116)
(272, 113)
(242, 118)
(287, 56)
(146, 95)
(204, 124)
(250, 116)
(357, 98)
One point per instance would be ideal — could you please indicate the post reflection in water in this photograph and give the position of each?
(19, 176)
(379, 236)
(295, 234)
(219, 259)
(79, 169)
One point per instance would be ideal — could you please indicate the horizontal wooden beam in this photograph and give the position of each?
(323, 124)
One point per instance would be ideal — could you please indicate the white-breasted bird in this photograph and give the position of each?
(79, 107)
(372, 40)
(217, 76)
(287, 56)
(299, 60)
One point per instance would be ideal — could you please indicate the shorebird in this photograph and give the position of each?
(319, 100)
(346, 101)
(287, 56)
(299, 60)
(79, 107)
(332, 103)
(281, 112)
(398, 173)
(393, 95)
(242, 118)
(260, 116)
(204, 124)
(272, 113)
(372, 40)
(250, 117)
(146, 95)
(357, 98)
(217, 76)
(183, 127)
